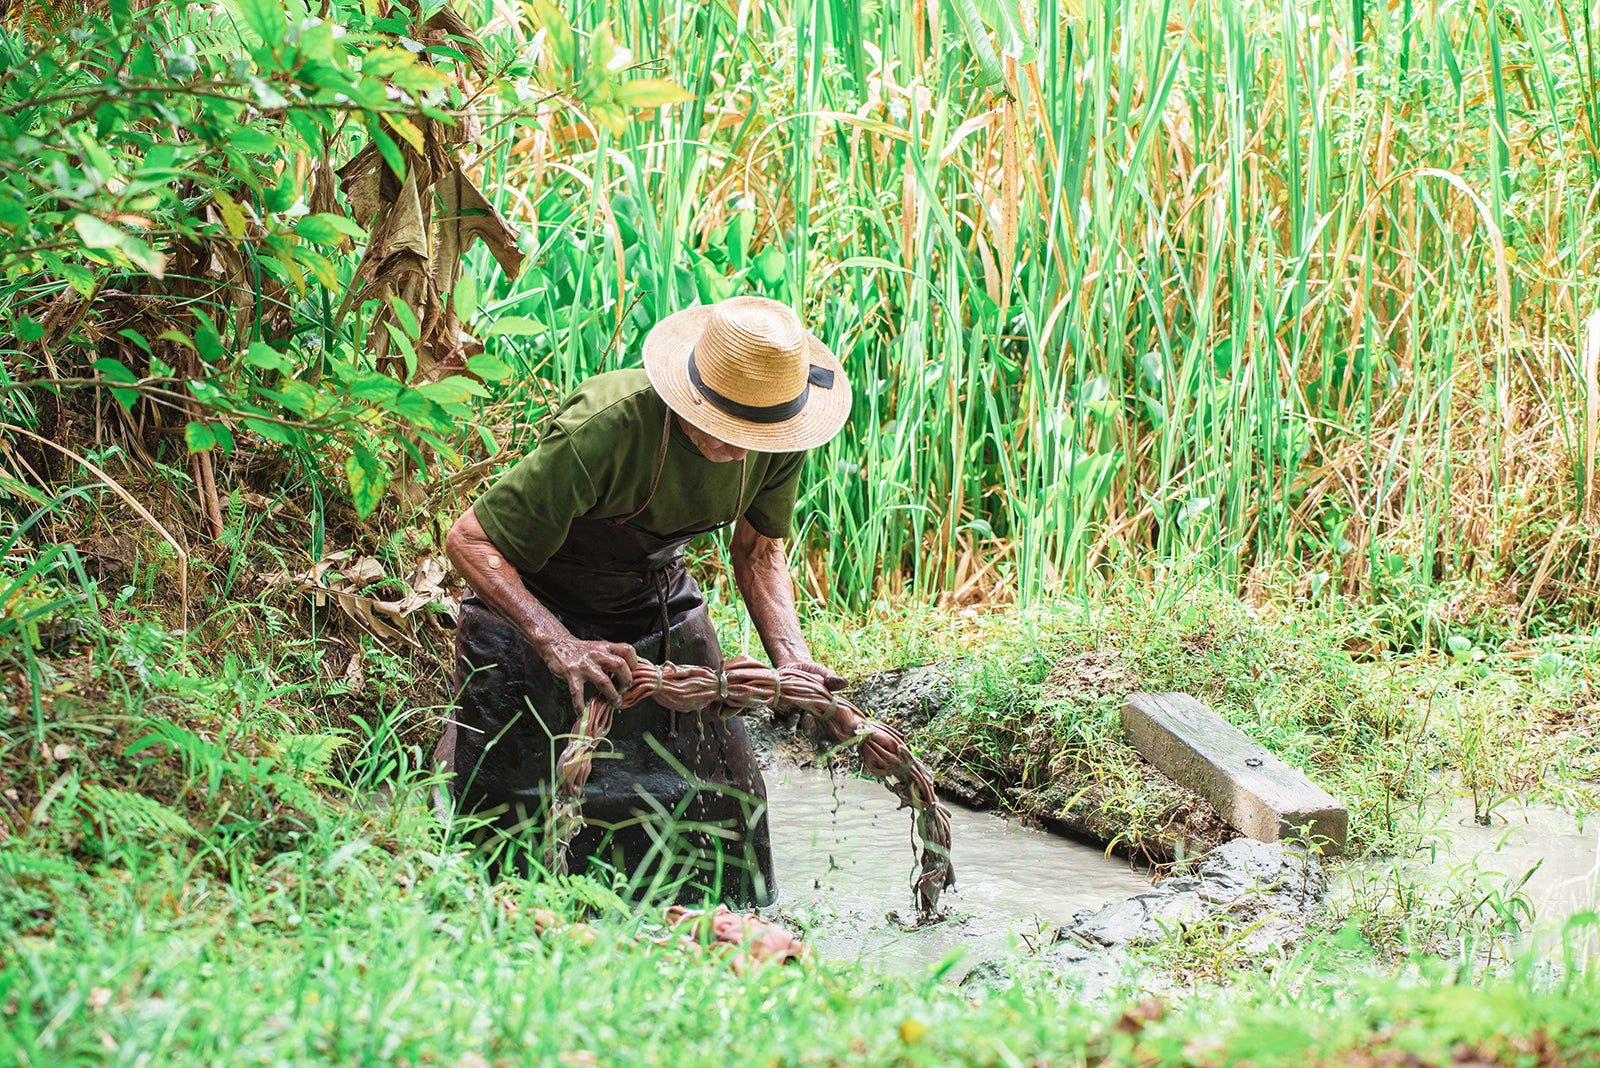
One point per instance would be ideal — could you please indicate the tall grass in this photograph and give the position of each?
(1246, 284)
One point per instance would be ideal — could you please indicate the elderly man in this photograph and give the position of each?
(575, 559)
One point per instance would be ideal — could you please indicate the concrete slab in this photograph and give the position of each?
(1256, 792)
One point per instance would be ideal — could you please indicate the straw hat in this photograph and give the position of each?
(744, 370)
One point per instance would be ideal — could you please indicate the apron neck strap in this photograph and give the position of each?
(661, 463)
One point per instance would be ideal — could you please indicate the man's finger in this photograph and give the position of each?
(624, 659)
(575, 687)
(602, 682)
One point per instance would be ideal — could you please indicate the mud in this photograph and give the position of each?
(844, 859)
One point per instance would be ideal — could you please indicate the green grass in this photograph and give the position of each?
(236, 904)
(217, 853)
(1390, 734)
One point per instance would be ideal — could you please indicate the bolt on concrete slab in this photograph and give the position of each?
(1256, 792)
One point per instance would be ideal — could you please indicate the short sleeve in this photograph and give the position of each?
(771, 510)
(529, 509)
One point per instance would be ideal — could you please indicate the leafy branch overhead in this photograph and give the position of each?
(591, 67)
(194, 188)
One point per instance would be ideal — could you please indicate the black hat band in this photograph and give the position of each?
(821, 377)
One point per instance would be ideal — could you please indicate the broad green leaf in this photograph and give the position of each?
(607, 114)
(406, 317)
(602, 51)
(326, 228)
(232, 214)
(771, 264)
(455, 389)
(265, 19)
(465, 298)
(271, 431)
(29, 329)
(408, 351)
(306, 124)
(489, 368)
(319, 265)
(261, 354)
(516, 326)
(143, 256)
(79, 277)
(207, 342)
(97, 157)
(977, 35)
(1005, 18)
(13, 212)
(291, 268)
(563, 45)
(408, 130)
(375, 386)
(417, 408)
(386, 60)
(96, 233)
(301, 398)
(114, 370)
(649, 93)
(388, 150)
(199, 437)
(254, 142)
(366, 480)
(711, 283)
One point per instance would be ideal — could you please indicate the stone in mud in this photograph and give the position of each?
(1254, 790)
(1095, 975)
(1246, 866)
(1242, 876)
(1143, 918)
(907, 697)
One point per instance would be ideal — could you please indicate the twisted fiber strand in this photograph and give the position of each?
(746, 684)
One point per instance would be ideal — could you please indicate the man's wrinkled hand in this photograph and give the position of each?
(607, 666)
(830, 681)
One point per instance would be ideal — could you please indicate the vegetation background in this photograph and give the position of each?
(1269, 321)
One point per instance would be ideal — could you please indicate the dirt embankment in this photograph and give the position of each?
(1087, 785)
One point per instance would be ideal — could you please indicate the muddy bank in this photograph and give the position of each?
(1250, 901)
(1111, 797)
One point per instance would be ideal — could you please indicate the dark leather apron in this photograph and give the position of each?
(675, 798)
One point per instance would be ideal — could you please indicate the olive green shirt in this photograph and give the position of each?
(598, 458)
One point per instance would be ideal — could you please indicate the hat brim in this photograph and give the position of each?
(666, 361)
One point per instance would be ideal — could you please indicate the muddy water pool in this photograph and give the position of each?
(844, 861)
(1563, 849)
(1484, 865)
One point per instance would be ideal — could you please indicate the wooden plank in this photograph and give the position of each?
(1256, 792)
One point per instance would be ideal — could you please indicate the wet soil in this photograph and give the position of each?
(1169, 822)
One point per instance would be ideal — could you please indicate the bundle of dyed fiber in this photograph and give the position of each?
(744, 684)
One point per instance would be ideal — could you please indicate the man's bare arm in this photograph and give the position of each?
(607, 666)
(761, 571)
